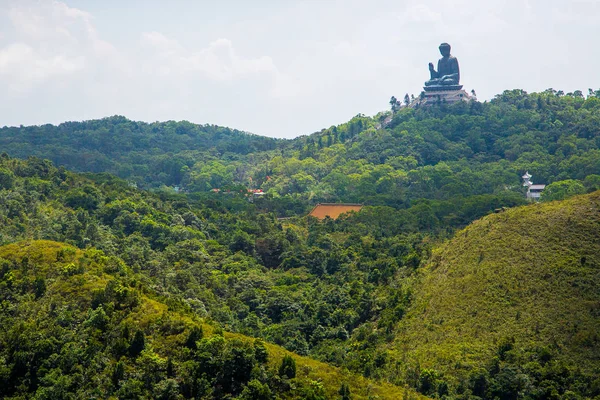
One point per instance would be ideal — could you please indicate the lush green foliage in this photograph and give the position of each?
(437, 153)
(305, 285)
(150, 155)
(349, 292)
(562, 189)
(510, 307)
(80, 324)
(449, 151)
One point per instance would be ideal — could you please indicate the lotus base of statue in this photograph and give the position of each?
(442, 88)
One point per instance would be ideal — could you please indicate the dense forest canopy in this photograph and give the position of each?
(434, 153)
(242, 270)
(338, 291)
(148, 154)
(510, 306)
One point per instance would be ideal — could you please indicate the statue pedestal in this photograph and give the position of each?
(442, 88)
(444, 94)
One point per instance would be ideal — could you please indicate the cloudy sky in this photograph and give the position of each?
(278, 68)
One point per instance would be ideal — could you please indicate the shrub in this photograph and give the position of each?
(288, 367)
(195, 335)
(137, 344)
(344, 391)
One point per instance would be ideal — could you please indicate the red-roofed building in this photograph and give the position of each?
(333, 210)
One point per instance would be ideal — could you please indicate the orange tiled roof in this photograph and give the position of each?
(333, 210)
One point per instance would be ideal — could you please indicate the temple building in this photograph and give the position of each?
(534, 192)
(333, 210)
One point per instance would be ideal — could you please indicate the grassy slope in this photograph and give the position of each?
(44, 260)
(531, 273)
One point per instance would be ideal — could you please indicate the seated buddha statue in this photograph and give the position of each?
(447, 72)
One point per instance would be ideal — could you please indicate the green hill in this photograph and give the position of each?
(441, 154)
(150, 154)
(300, 284)
(80, 324)
(512, 304)
(506, 309)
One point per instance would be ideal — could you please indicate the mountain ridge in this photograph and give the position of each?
(435, 153)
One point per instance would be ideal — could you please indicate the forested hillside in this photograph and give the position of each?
(148, 154)
(304, 285)
(441, 153)
(510, 307)
(81, 324)
(94, 269)
(139, 273)
(437, 153)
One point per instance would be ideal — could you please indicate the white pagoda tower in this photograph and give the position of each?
(534, 192)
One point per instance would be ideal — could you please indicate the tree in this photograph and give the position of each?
(287, 367)
(137, 344)
(270, 249)
(118, 373)
(406, 99)
(562, 189)
(255, 390)
(131, 389)
(87, 198)
(7, 178)
(479, 381)
(167, 389)
(428, 381)
(592, 183)
(238, 360)
(260, 352)
(195, 335)
(344, 391)
(394, 103)
(40, 287)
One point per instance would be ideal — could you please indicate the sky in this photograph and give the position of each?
(279, 68)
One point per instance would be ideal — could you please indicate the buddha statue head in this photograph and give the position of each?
(445, 49)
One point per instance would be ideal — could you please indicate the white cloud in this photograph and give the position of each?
(160, 42)
(219, 61)
(285, 86)
(50, 39)
(46, 20)
(25, 66)
(271, 65)
(421, 13)
(347, 49)
(53, 50)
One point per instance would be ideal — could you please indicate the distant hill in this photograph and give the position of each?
(149, 154)
(512, 304)
(443, 154)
